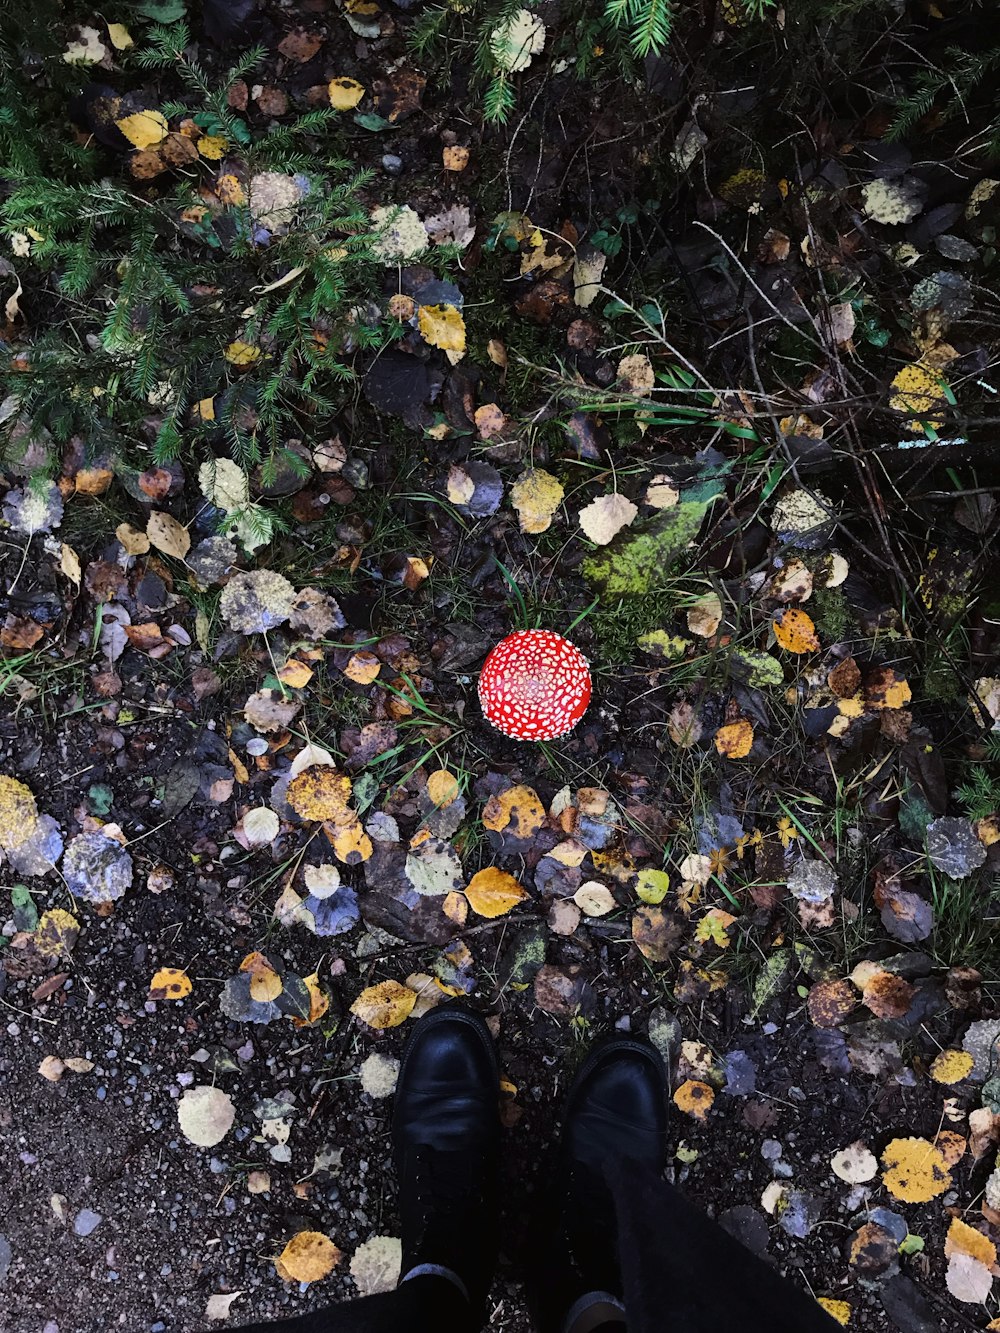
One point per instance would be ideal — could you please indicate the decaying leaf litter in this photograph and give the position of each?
(253, 825)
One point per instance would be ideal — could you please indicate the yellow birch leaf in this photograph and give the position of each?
(69, 563)
(455, 906)
(795, 631)
(951, 1066)
(56, 933)
(963, 1239)
(18, 812)
(694, 1098)
(320, 792)
(536, 495)
(735, 739)
(384, 1006)
(362, 667)
(121, 38)
(169, 983)
(319, 1002)
(265, 984)
(442, 326)
(442, 787)
(517, 808)
(493, 892)
(167, 535)
(351, 844)
(239, 353)
(652, 885)
(345, 93)
(915, 1171)
(144, 129)
(295, 674)
(308, 1257)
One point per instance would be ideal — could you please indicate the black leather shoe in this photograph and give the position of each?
(446, 1132)
(617, 1108)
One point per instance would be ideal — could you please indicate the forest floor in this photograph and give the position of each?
(721, 414)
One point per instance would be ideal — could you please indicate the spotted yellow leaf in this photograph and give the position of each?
(651, 886)
(536, 495)
(212, 147)
(442, 326)
(839, 1310)
(795, 631)
(265, 984)
(915, 1171)
(694, 1098)
(951, 1066)
(169, 983)
(384, 1006)
(735, 739)
(345, 93)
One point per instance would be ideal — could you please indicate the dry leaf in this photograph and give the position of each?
(705, 615)
(594, 898)
(735, 739)
(206, 1115)
(362, 667)
(635, 375)
(694, 1098)
(536, 495)
(493, 892)
(308, 1257)
(914, 1170)
(144, 129)
(169, 983)
(384, 1006)
(951, 1066)
(605, 517)
(443, 326)
(795, 631)
(265, 984)
(133, 542)
(856, 1163)
(167, 535)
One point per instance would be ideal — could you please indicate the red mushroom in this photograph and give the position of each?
(535, 685)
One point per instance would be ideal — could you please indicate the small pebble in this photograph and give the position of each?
(392, 164)
(87, 1222)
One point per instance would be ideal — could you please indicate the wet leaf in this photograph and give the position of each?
(656, 933)
(735, 739)
(953, 848)
(144, 129)
(605, 517)
(951, 1066)
(97, 868)
(375, 1265)
(830, 1002)
(516, 811)
(385, 1005)
(56, 933)
(795, 631)
(856, 1164)
(169, 983)
(493, 892)
(694, 1098)
(914, 1170)
(433, 866)
(239, 353)
(308, 1257)
(206, 1115)
(839, 1310)
(167, 535)
(536, 495)
(715, 926)
(683, 726)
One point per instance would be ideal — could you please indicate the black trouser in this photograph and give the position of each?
(681, 1273)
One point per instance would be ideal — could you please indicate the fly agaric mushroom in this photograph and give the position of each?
(535, 685)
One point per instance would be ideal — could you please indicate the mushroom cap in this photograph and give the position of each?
(534, 685)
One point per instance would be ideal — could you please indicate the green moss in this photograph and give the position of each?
(832, 614)
(640, 561)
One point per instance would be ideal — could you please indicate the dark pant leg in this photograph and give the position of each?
(683, 1274)
(423, 1305)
